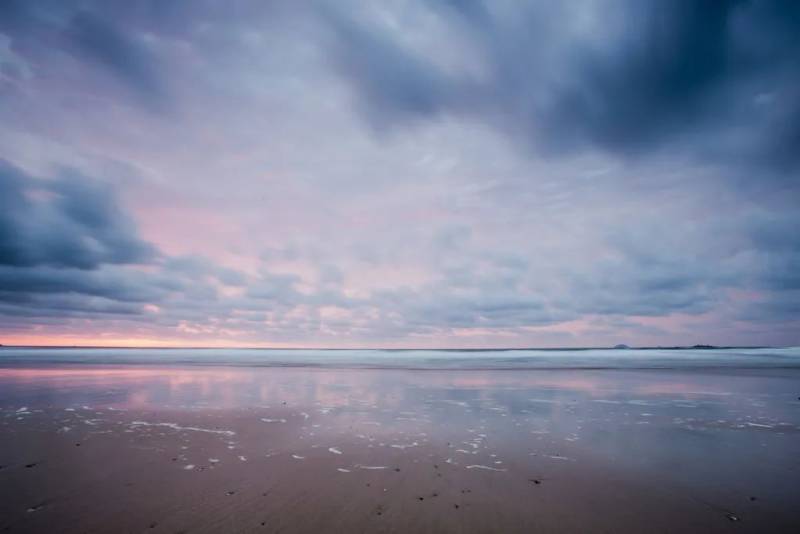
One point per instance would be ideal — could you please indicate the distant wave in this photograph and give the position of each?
(415, 359)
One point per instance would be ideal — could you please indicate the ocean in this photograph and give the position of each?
(415, 359)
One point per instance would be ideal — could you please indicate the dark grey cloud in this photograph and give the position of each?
(95, 34)
(105, 43)
(19, 283)
(394, 83)
(715, 79)
(68, 249)
(71, 221)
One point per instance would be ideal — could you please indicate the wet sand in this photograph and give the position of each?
(211, 449)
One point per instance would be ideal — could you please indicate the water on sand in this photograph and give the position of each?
(103, 445)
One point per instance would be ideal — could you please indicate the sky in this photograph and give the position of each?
(408, 173)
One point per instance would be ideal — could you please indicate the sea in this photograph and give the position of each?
(589, 358)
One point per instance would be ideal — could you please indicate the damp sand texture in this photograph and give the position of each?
(145, 448)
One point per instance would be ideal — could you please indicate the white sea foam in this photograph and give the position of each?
(557, 457)
(475, 466)
(404, 445)
(176, 426)
(456, 403)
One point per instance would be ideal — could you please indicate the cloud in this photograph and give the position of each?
(71, 221)
(123, 56)
(528, 172)
(715, 79)
(394, 83)
(90, 32)
(67, 249)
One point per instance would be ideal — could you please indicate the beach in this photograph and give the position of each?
(90, 447)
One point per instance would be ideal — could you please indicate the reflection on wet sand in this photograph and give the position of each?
(663, 439)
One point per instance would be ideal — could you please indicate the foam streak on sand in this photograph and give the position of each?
(485, 467)
(404, 446)
(334, 450)
(175, 426)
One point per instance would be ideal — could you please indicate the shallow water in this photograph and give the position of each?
(727, 438)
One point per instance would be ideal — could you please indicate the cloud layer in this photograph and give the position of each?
(405, 174)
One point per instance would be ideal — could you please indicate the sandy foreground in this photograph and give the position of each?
(287, 450)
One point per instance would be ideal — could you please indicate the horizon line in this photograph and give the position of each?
(699, 346)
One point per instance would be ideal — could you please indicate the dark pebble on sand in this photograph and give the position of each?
(230, 492)
(397, 469)
(153, 525)
(31, 465)
(421, 498)
(435, 495)
(455, 506)
(535, 481)
(77, 444)
(752, 498)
